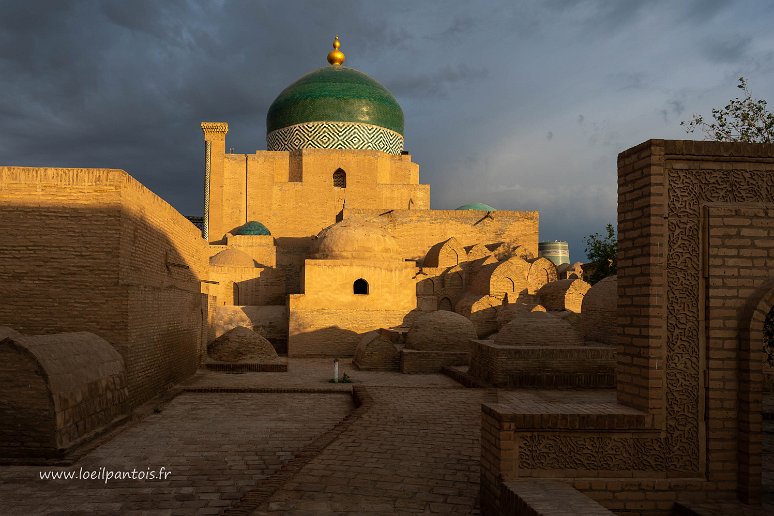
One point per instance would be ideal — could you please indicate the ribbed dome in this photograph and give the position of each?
(253, 228)
(335, 107)
(476, 206)
(232, 258)
(361, 240)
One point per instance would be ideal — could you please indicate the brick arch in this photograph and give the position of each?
(750, 392)
(445, 304)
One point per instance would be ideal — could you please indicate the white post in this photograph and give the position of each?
(335, 370)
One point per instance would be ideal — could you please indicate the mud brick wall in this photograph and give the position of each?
(94, 250)
(269, 186)
(334, 333)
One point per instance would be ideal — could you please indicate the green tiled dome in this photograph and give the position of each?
(476, 206)
(253, 228)
(335, 94)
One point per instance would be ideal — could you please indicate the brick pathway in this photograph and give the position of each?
(216, 446)
(414, 450)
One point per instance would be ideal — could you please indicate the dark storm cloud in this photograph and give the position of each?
(437, 82)
(125, 84)
(460, 25)
(630, 80)
(728, 49)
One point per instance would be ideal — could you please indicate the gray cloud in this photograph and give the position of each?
(728, 49)
(125, 84)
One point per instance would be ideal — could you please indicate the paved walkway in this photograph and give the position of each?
(215, 446)
(414, 450)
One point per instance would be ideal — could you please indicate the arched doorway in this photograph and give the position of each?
(360, 287)
(756, 326)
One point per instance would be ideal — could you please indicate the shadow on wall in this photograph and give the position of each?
(324, 342)
(125, 266)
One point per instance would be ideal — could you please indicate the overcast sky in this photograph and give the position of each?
(523, 105)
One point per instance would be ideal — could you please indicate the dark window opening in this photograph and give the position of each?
(360, 286)
(768, 337)
(339, 179)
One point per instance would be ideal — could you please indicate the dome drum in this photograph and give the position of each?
(335, 135)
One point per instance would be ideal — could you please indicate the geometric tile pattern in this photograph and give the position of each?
(335, 135)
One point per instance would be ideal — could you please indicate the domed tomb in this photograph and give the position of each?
(232, 258)
(506, 313)
(441, 331)
(59, 390)
(538, 329)
(599, 312)
(252, 228)
(241, 345)
(335, 107)
(476, 206)
(375, 352)
(566, 294)
(347, 240)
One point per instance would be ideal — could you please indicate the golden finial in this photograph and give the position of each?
(336, 56)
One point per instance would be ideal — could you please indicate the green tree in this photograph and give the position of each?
(601, 253)
(742, 120)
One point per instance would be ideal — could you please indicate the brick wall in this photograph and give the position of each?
(268, 186)
(92, 249)
(334, 333)
(427, 362)
(694, 285)
(546, 367)
(642, 241)
(740, 252)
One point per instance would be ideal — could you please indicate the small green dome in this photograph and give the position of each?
(476, 206)
(335, 94)
(253, 228)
